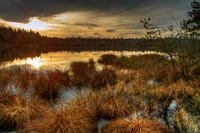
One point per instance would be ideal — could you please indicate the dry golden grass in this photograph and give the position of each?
(4, 79)
(48, 85)
(72, 119)
(134, 126)
(161, 93)
(108, 59)
(107, 76)
(111, 106)
(22, 78)
(186, 122)
(19, 111)
(182, 89)
(81, 72)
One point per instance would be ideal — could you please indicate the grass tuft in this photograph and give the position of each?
(18, 112)
(111, 106)
(134, 126)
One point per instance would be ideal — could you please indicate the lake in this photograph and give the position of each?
(61, 60)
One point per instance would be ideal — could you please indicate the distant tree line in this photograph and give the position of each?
(9, 35)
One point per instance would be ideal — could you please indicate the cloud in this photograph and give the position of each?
(110, 30)
(86, 24)
(97, 34)
(132, 33)
(94, 18)
(12, 10)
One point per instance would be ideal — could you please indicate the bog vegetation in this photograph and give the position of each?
(131, 94)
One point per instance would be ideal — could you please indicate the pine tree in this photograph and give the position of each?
(192, 25)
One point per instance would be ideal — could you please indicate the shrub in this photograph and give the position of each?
(134, 126)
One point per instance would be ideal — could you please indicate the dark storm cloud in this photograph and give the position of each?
(21, 10)
(110, 30)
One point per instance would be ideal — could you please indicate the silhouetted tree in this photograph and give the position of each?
(192, 25)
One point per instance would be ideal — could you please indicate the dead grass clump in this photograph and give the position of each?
(6, 98)
(161, 93)
(108, 59)
(22, 78)
(5, 78)
(61, 77)
(126, 76)
(182, 90)
(81, 72)
(13, 116)
(71, 120)
(107, 76)
(134, 126)
(48, 85)
(186, 122)
(111, 106)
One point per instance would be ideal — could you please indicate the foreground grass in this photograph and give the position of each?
(130, 93)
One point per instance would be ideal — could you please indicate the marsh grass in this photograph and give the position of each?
(72, 118)
(185, 122)
(48, 85)
(108, 59)
(100, 79)
(14, 114)
(138, 125)
(81, 72)
(111, 107)
(117, 93)
(22, 78)
(5, 78)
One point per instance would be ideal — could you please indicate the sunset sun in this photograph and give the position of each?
(34, 24)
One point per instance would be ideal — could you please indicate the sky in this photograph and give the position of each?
(91, 18)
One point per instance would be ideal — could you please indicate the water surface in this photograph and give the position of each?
(61, 60)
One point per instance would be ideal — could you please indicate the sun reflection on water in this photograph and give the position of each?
(35, 62)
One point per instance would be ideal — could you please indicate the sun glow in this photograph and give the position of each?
(34, 24)
(35, 62)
